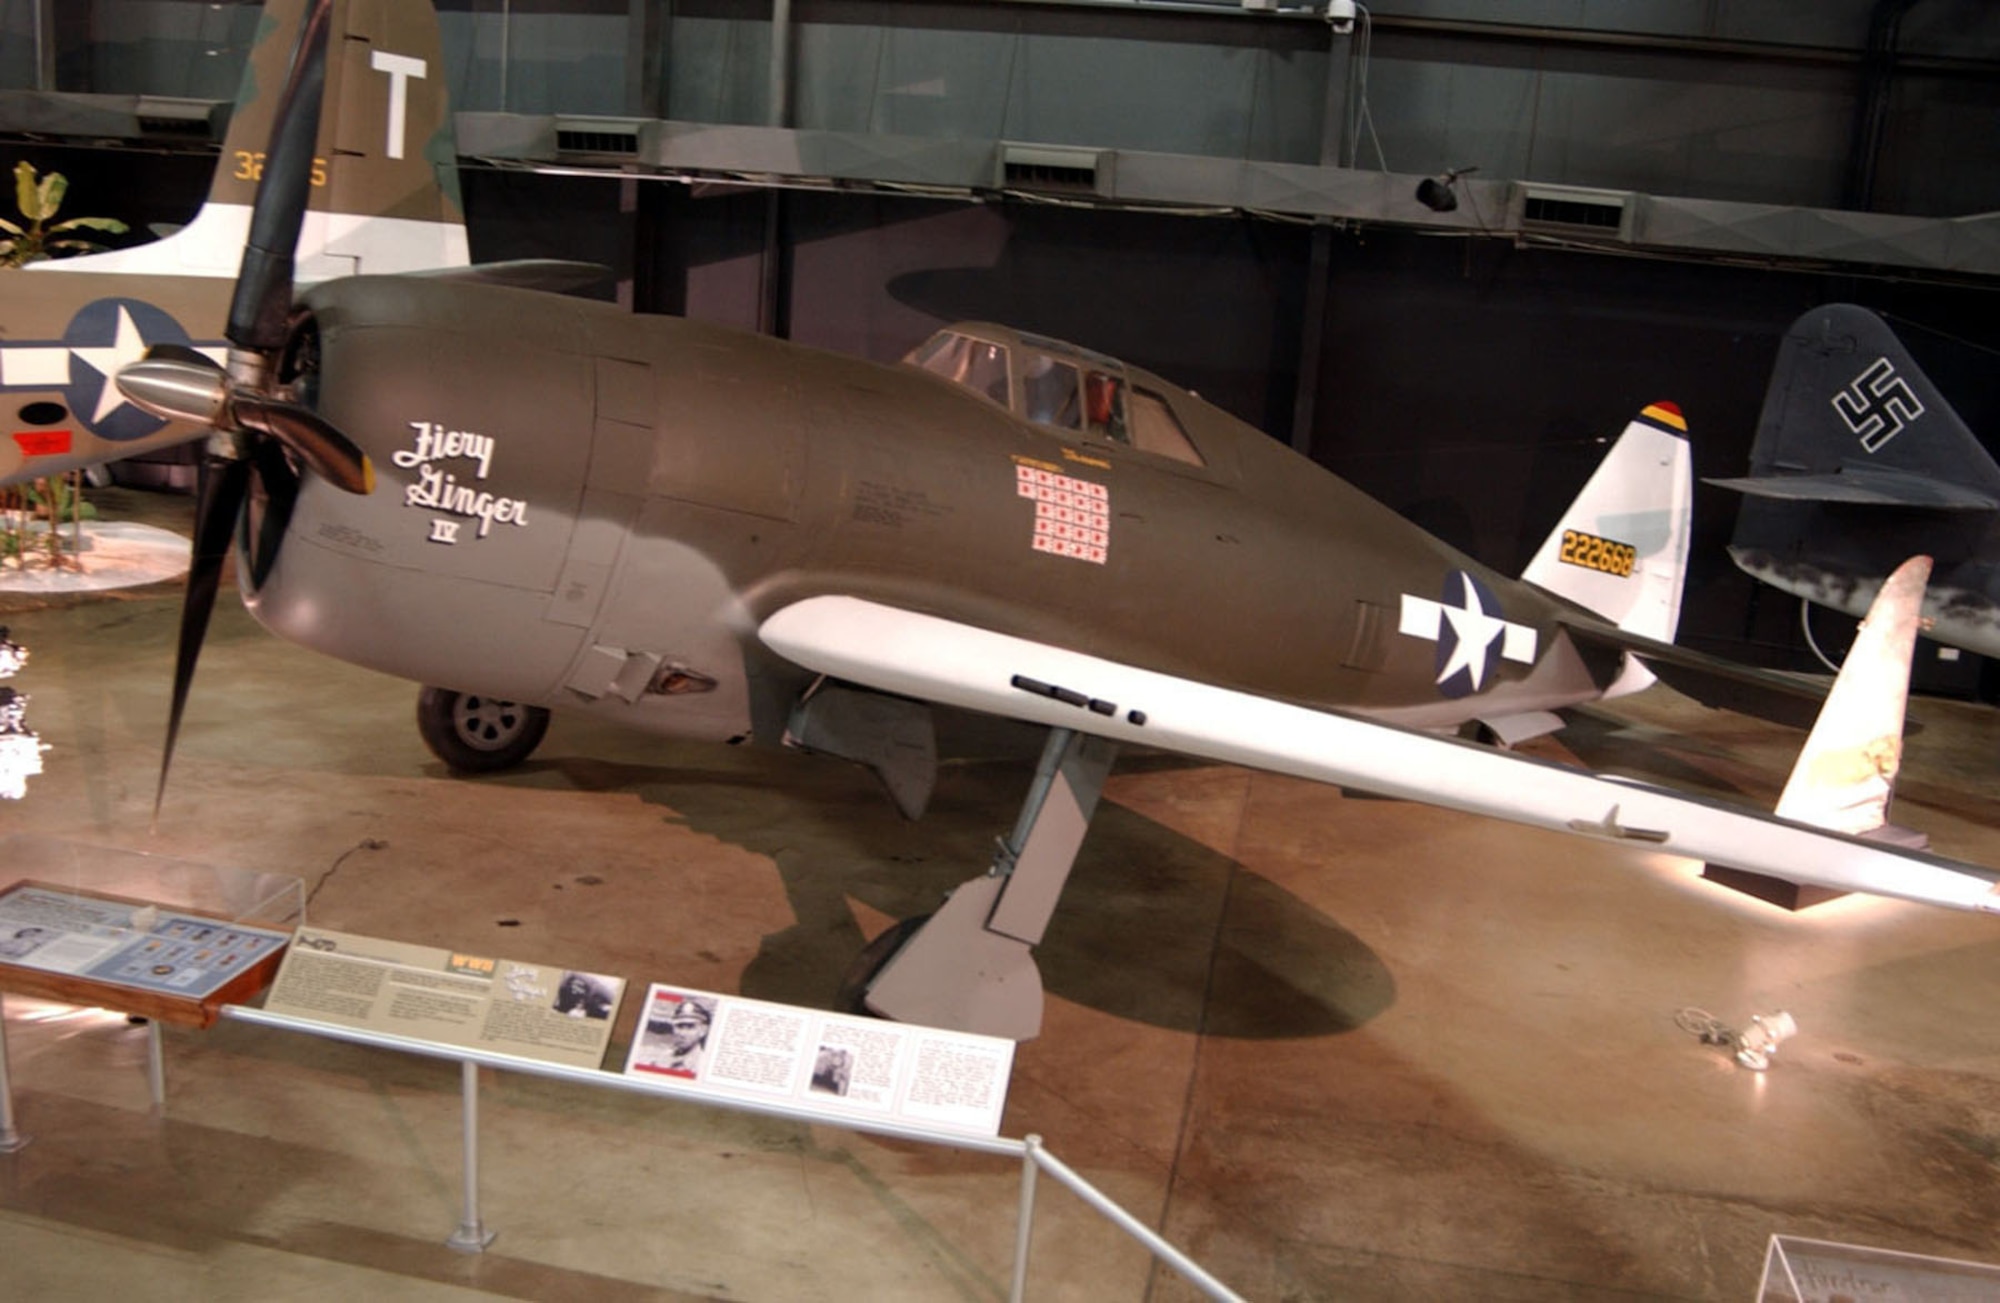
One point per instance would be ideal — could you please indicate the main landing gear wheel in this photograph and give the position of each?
(478, 735)
(874, 957)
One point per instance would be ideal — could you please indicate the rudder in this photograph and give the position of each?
(385, 194)
(1621, 549)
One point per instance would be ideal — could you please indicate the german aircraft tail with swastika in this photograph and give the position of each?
(1858, 464)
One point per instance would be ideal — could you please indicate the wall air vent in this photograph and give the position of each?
(1573, 210)
(1059, 168)
(180, 119)
(617, 137)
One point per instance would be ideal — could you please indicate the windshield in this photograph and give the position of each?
(978, 364)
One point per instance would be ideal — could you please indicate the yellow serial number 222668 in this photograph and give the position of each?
(250, 167)
(1594, 553)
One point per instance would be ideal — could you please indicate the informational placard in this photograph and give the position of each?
(839, 1066)
(537, 1011)
(125, 943)
(1819, 1271)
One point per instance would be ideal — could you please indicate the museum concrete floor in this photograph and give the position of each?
(1332, 1047)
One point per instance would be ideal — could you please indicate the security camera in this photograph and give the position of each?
(1340, 14)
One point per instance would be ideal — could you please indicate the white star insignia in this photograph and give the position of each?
(106, 361)
(1475, 631)
(1473, 628)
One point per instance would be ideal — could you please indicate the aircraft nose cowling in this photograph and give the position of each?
(462, 397)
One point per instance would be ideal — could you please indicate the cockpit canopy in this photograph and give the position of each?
(1057, 385)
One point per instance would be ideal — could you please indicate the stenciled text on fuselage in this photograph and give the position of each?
(438, 489)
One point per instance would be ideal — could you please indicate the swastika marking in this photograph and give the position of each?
(1878, 404)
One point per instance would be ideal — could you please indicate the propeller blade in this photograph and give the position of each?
(331, 455)
(263, 299)
(218, 498)
(174, 389)
(265, 521)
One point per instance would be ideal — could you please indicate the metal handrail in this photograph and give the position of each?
(471, 1235)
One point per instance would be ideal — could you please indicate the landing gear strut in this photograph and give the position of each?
(969, 965)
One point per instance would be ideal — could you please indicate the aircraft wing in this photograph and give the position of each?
(950, 663)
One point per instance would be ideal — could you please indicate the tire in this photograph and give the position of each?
(874, 957)
(478, 735)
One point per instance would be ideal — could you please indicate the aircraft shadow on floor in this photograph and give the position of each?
(1154, 926)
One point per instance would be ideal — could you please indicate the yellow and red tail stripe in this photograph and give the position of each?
(1667, 416)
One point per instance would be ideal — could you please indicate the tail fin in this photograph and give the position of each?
(1621, 550)
(1846, 773)
(385, 192)
(1850, 417)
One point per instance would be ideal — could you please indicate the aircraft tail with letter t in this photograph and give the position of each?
(1859, 463)
(384, 199)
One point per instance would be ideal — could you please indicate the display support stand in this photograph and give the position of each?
(1025, 1228)
(156, 1064)
(471, 1236)
(11, 1140)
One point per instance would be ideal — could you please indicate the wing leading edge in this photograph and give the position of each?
(938, 660)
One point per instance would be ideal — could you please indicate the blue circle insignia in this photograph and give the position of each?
(102, 337)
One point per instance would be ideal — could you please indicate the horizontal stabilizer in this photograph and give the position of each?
(1866, 486)
(1788, 699)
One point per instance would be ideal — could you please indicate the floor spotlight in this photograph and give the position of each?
(1760, 1040)
(1440, 193)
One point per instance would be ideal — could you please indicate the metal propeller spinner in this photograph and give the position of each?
(243, 403)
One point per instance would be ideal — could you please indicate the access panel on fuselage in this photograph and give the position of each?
(727, 419)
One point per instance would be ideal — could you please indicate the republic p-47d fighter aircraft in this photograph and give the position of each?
(384, 182)
(707, 533)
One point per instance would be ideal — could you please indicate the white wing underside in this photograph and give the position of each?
(953, 664)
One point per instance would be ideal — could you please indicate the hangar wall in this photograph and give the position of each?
(1464, 381)
(1730, 99)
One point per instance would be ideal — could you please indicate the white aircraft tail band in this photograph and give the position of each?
(330, 245)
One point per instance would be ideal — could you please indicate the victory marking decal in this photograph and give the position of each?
(1072, 516)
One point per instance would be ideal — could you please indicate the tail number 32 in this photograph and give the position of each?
(250, 167)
